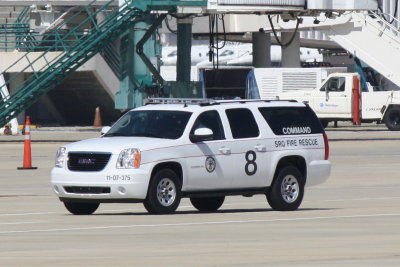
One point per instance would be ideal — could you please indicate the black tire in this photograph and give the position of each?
(207, 204)
(164, 194)
(392, 119)
(324, 123)
(77, 208)
(287, 190)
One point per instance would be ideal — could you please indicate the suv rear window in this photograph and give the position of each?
(292, 120)
(242, 122)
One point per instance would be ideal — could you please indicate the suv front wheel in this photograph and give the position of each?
(77, 208)
(287, 190)
(164, 193)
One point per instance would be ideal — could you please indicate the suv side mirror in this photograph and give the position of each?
(104, 130)
(201, 134)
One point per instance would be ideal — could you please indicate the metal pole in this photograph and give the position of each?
(184, 46)
(291, 53)
(261, 49)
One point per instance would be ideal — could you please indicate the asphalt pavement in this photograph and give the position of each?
(351, 220)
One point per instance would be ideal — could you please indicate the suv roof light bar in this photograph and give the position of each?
(179, 101)
(205, 101)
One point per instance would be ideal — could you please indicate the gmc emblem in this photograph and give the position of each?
(87, 161)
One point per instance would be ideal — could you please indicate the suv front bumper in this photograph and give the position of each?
(107, 185)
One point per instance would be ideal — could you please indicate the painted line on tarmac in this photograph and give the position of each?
(197, 223)
(29, 213)
(116, 210)
(355, 199)
(19, 223)
(190, 207)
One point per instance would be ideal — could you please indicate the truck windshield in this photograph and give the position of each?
(151, 123)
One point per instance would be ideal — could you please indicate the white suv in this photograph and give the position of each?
(204, 150)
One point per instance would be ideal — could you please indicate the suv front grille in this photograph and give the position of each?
(86, 161)
(87, 190)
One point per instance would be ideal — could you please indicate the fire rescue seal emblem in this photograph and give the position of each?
(210, 164)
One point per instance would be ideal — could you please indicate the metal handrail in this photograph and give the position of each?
(77, 46)
(24, 16)
(47, 72)
(12, 33)
(112, 58)
(60, 42)
(385, 23)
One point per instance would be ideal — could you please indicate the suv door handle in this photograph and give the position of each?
(224, 150)
(260, 148)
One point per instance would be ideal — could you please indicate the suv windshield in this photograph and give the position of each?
(151, 123)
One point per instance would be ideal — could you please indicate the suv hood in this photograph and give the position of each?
(116, 144)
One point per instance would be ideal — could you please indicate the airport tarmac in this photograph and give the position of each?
(351, 220)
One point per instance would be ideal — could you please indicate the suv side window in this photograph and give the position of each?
(211, 120)
(292, 120)
(242, 122)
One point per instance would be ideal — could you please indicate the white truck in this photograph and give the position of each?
(267, 83)
(341, 98)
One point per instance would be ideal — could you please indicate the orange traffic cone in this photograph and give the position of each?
(27, 147)
(97, 118)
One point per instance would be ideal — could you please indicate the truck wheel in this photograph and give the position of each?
(207, 204)
(164, 193)
(77, 208)
(287, 190)
(392, 119)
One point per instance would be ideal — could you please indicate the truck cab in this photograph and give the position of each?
(341, 98)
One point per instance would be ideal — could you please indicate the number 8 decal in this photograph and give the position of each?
(251, 166)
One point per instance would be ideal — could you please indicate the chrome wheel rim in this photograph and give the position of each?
(166, 192)
(290, 189)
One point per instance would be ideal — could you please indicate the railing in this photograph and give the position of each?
(167, 5)
(12, 33)
(112, 57)
(386, 24)
(49, 69)
(76, 46)
(24, 16)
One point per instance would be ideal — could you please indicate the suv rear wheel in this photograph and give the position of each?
(207, 204)
(164, 193)
(287, 190)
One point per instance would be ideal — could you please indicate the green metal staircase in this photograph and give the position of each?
(74, 48)
(13, 33)
(64, 51)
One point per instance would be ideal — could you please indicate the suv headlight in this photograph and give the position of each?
(129, 159)
(60, 157)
